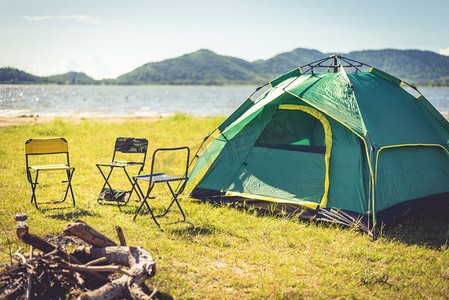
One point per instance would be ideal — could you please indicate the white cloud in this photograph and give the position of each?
(444, 51)
(79, 18)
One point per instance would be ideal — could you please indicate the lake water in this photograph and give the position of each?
(120, 101)
(140, 101)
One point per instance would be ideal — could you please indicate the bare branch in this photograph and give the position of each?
(108, 268)
(121, 235)
(97, 261)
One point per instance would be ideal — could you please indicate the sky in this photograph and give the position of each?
(107, 38)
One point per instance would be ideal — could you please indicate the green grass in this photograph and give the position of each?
(223, 252)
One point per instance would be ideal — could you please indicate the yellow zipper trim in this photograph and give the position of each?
(311, 205)
(328, 138)
(358, 135)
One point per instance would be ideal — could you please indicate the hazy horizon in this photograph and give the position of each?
(105, 39)
(81, 71)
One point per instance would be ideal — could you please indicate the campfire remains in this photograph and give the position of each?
(91, 271)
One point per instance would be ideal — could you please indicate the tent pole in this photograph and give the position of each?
(372, 191)
(371, 197)
(196, 156)
(335, 64)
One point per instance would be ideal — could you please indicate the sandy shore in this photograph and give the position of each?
(40, 120)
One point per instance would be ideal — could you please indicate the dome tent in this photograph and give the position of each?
(349, 147)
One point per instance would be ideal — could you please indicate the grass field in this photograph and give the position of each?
(222, 252)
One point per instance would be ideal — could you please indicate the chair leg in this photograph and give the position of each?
(68, 185)
(174, 199)
(106, 180)
(180, 209)
(70, 176)
(131, 191)
(133, 186)
(152, 215)
(144, 202)
(33, 184)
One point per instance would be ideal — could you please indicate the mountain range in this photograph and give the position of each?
(205, 67)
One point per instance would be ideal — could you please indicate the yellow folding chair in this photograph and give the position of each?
(128, 152)
(59, 150)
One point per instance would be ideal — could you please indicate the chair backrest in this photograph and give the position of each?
(184, 169)
(131, 145)
(47, 146)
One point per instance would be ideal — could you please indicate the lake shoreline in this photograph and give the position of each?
(30, 120)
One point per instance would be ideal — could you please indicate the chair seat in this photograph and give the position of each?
(159, 177)
(51, 167)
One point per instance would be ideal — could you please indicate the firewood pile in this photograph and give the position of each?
(98, 268)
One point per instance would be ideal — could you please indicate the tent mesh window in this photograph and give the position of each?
(293, 130)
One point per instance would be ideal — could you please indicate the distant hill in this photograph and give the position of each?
(70, 78)
(200, 67)
(13, 76)
(414, 66)
(205, 67)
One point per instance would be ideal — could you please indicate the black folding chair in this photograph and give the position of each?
(162, 177)
(58, 149)
(125, 147)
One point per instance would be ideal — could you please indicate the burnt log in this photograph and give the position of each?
(88, 234)
(141, 267)
(44, 246)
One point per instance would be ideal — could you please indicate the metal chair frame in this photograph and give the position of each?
(153, 178)
(48, 146)
(123, 145)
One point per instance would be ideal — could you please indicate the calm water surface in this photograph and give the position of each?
(121, 101)
(140, 101)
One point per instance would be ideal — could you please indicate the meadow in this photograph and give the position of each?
(222, 252)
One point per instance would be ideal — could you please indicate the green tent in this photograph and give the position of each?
(336, 145)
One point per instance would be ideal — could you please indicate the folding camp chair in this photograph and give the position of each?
(46, 147)
(162, 177)
(125, 147)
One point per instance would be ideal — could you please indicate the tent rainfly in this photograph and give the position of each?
(348, 147)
